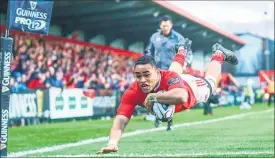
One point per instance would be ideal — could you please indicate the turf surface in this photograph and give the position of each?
(248, 136)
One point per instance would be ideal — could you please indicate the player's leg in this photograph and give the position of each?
(176, 67)
(157, 123)
(269, 99)
(178, 63)
(220, 54)
(169, 125)
(202, 88)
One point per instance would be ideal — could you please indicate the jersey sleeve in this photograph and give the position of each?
(127, 104)
(175, 81)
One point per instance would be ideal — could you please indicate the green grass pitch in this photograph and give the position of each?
(251, 135)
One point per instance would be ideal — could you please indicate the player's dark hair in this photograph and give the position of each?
(146, 59)
(165, 18)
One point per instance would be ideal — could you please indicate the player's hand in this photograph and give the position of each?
(148, 102)
(108, 149)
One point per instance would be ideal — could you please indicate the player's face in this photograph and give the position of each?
(166, 27)
(147, 77)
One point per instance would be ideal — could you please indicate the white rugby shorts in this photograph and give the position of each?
(201, 87)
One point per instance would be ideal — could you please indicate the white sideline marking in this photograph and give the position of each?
(134, 133)
(205, 154)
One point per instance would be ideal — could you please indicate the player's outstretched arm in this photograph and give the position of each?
(117, 129)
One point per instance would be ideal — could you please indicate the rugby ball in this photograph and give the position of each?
(163, 112)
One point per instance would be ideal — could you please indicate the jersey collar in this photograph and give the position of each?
(157, 85)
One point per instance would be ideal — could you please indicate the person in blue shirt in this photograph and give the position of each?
(162, 46)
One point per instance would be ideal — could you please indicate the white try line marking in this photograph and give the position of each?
(134, 133)
(205, 154)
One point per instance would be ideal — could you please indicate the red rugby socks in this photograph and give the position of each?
(218, 56)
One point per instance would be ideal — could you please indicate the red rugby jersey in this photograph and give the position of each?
(134, 96)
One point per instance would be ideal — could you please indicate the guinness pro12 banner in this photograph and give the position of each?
(30, 16)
